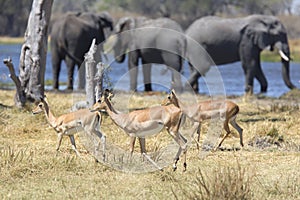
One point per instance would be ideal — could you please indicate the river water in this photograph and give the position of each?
(232, 75)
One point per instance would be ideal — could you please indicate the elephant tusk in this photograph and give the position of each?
(268, 48)
(283, 56)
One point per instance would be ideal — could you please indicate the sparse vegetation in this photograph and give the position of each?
(224, 182)
(30, 168)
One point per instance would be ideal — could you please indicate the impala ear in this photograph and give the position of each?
(110, 96)
(45, 98)
(107, 94)
(173, 92)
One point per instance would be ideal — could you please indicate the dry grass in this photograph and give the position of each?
(30, 168)
(11, 40)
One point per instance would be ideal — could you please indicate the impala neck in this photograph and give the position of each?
(184, 108)
(118, 118)
(110, 110)
(50, 117)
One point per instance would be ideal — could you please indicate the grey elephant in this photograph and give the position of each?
(158, 41)
(71, 37)
(237, 39)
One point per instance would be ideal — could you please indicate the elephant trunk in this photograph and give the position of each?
(286, 74)
(284, 52)
(120, 58)
(119, 49)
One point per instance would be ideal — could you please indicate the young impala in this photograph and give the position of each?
(207, 110)
(146, 122)
(71, 123)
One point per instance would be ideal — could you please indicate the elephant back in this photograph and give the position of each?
(162, 23)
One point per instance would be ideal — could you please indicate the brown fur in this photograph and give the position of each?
(70, 123)
(206, 110)
(141, 123)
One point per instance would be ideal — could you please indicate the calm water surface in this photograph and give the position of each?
(232, 75)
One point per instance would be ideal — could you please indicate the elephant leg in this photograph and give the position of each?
(147, 76)
(56, 66)
(133, 70)
(259, 75)
(250, 57)
(70, 66)
(193, 81)
(174, 62)
(249, 81)
(176, 81)
(81, 77)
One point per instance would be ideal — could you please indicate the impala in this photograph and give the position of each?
(207, 110)
(71, 123)
(146, 122)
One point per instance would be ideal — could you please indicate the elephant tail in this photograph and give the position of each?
(184, 46)
(73, 57)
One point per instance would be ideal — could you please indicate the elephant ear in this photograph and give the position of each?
(258, 33)
(106, 20)
(125, 23)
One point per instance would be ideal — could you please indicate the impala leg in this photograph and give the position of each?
(143, 151)
(142, 142)
(72, 139)
(182, 147)
(184, 158)
(59, 139)
(195, 129)
(132, 142)
(176, 138)
(239, 129)
(103, 142)
(226, 127)
(176, 159)
(198, 136)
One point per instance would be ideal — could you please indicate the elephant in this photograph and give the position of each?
(236, 39)
(160, 41)
(71, 37)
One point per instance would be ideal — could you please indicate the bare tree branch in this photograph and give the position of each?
(20, 98)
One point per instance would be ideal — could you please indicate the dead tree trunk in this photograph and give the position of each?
(33, 54)
(90, 71)
(93, 77)
(99, 80)
(94, 74)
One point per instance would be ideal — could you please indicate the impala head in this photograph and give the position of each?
(101, 104)
(171, 99)
(41, 106)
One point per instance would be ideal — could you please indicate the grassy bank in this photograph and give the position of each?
(11, 40)
(266, 168)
